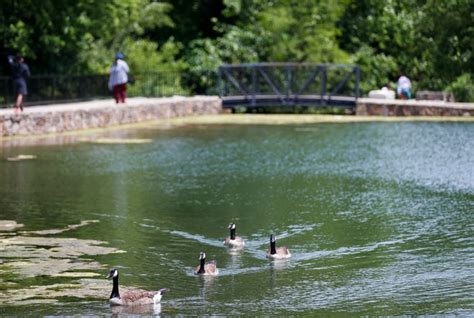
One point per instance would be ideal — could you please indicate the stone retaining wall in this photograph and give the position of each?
(99, 114)
(384, 107)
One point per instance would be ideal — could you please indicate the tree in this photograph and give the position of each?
(76, 36)
(279, 30)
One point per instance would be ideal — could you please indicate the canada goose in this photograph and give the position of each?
(206, 269)
(133, 296)
(277, 253)
(232, 240)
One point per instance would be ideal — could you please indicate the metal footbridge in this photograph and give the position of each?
(287, 84)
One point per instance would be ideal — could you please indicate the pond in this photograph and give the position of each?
(377, 216)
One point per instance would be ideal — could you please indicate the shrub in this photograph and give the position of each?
(462, 88)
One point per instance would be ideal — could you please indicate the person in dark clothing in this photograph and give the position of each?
(20, 72)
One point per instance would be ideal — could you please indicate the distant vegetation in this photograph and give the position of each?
(431, 41)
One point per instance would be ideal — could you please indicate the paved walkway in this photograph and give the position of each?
(93, 104)
(137, 101)
(413, 102)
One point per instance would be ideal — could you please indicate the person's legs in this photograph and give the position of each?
(19, 103)
(407, 93)
(21, 91)
(123, 92)
(117, 93)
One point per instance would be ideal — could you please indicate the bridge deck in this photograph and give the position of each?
(312, 100)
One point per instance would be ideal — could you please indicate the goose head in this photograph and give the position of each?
(164, 290)
(113, 273)
(231, 226)
(202, 256)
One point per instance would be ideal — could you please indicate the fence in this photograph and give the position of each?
(50, 89)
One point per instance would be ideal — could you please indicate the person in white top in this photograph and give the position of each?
(404, 87)
(119, 78)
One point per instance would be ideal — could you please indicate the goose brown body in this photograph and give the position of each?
(274, 252)
(132, 297)
(209, 268)
(234, 241)
(137, 297)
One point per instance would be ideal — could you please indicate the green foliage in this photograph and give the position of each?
(145, 58)
(376, 70)
(76, 36)
(428, 40)
(445, 41)
(462, 88)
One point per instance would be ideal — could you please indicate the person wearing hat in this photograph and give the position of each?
(404, 87)
(119, 78)
(20, 72)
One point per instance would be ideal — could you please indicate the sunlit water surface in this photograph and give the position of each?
(378, 216)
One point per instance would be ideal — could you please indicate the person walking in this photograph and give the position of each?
(19, 72)
(119, 78)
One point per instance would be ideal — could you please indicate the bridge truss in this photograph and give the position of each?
(270, 84)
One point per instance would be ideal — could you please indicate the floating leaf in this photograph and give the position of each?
(21, 157)
(57, 231)
(27, 256)
(76, 274)
(121, 141)
(83, 288)
(7, 225)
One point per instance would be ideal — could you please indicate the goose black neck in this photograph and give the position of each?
(232, 234)
(201, 266)
(115, 288)
(272, 247)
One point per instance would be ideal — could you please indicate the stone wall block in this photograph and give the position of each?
(367, 107)
(74, 117)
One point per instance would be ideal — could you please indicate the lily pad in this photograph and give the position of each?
(83, 288)
(21, 157)
(8, 225)
(37, 256)
(121, 141)
(76, 274)
(57, 231)
(48, 267)
(48, 247)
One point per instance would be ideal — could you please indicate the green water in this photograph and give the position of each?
(378, 217)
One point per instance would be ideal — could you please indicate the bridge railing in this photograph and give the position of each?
(289, 84)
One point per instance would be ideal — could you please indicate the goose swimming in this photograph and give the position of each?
(233, 241)
(277, 252)
(206, 269)
(132, 297)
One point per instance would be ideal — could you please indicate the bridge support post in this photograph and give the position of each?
(289, 80)
(254, 85)
(357, 81)
(323, 83)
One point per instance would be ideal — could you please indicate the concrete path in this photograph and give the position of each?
(91, 105)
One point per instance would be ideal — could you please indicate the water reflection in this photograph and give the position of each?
(206, 285)
(140, 310)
